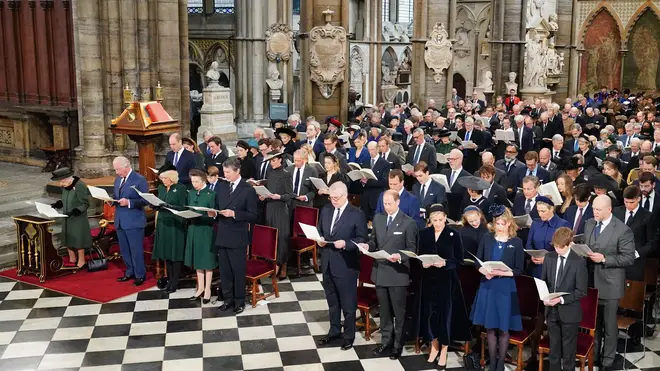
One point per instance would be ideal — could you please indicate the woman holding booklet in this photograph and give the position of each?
(443, 316)
(496, 305)
(199, 242)
(333, 174)
(541, 231)
(170, 235)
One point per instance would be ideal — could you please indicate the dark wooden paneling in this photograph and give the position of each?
(37, 63)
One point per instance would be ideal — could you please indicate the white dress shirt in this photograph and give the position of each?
(334, 215)
(578, 213)
(302, 171)
(455, 174)
(426, 188)
(627, 216)
(651, 200)
(565, 255)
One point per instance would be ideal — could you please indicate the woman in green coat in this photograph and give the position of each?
(199, 242)
(76, 235)
(170, 236)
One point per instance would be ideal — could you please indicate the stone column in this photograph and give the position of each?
(258, 66)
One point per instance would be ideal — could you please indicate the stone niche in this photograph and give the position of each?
(21, 137)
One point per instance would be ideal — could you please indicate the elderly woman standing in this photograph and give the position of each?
(76, 234)
(170, 236)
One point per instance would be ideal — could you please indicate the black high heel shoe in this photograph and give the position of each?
(195, 297)
(206, 301)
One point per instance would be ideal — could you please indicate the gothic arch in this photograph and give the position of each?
(211, 53)
(603, 6)
(484, 14)
(470, 13)
(389, 63)
(646, 7)
(194, 53)
(601, 60)
(642, 72)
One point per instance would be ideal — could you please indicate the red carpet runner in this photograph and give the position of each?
(99, 286)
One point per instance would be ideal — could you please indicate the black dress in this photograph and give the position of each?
(443, 314)
(471, 238)
(277, 211)
(248, 168)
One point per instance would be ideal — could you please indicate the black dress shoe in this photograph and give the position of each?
(327, 339)
(381, 351)
(239, 309)
(396, 354)
(138, 282)
(125, 278)
(226, 306)
(347, 345)
(170, 290)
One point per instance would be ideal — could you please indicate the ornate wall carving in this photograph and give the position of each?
(438, 52)
(279, 39)
(642, 61)
(357, 68)
(327, 65)
(601, 64)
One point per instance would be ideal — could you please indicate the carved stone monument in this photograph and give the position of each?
(327, 58)
(279, 39)
(487, 81)
(274, 83)
(534, 82)
(357, 69)
(534, 12)
(394, 32)
(217, 113)
(511, 84)
(438, 51)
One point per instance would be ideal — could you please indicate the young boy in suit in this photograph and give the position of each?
(564, 271)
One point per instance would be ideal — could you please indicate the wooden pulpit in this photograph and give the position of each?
(35, 251)
(144, 122)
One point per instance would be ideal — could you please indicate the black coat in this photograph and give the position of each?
(644, 229)
(234, 233)
(471, 238)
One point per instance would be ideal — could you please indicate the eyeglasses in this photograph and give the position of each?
(511, 152)
(336, 198)
(452, 158)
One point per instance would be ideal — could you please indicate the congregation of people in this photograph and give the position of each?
(441, 181)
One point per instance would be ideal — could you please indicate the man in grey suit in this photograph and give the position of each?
(302, 186)
(613, 246)
(421, 151)
(392, 231)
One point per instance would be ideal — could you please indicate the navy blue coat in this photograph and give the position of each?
(186, 163)
(351, 226)
(540, 237)
(519, 207)
(571, 214)
(513, 255)
(541, 173)
(436, 194)
(132, 216)
(408, 203)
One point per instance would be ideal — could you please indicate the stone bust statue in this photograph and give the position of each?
(274, 82)
(511, 84)
(213, 74)
(487, 82)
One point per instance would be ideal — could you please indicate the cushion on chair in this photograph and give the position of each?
(305, 215)
(584, 343)
(256, 268)
(264, 242)
(366, 264)
(544, 344)
(589, 305)
(109, 229)
(299, 243)
(366, 297)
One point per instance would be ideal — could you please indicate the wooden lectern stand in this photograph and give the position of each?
(144, 122)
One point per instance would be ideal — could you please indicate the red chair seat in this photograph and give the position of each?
(299, 243)
(109, 229)
(366, 297)
(258, 267)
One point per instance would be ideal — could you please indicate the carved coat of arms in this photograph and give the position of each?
(438, 51)
(327, 55)
(279, 38)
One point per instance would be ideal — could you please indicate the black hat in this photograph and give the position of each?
(600, 180)
(243, 144)
(397, 137)
(613, 148)
(434, 131)
(615, 161)
(444, 133)
(167, 166)
(272, 154)
(572, 164)
(544, 200)
(459, 116)
(286, 130)
(643, 137)
(435, 208)
(278, 121)
(602, 106)
(61, 173)
(496, 210)
(473, 182)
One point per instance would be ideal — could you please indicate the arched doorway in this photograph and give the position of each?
(458, 82)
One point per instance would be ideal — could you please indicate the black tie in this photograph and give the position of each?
(212, 186)
(389, 221)
(263, 170)
(121, 184)
(231, 188)
(373, 162)
(630, 217)
(647, 204)
(297, 180)
(560, 272)
(421, 193)
(597, 230)
(334, 223)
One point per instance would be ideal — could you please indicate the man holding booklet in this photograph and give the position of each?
(392, 231)
(564, 272)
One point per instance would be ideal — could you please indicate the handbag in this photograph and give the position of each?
(98, 264)
(471, 361)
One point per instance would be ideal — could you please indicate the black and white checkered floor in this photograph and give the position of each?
(44, 330)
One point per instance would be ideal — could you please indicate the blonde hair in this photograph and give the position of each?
(172, 175)
(309, 151)
(464, 220)
(568, 192)
(507, 216)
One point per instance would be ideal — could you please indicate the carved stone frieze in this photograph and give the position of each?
(327, 55)
(279, 41)
(438, 51)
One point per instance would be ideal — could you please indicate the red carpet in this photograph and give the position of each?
(99, 286)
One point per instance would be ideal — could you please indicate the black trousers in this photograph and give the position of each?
(173, 273)
(232, 264)
(341, 294)
(392, 301)
(606, 331)
(563, 342)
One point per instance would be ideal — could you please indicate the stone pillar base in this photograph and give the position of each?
(217, 114)
(533, 93)
(246, 128)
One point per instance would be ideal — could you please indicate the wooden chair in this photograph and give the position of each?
(632, 300)
(263, 261)
(366, 295)
(651, 271)
(105, 235)
(528, 301)
(300, 244)
(586, 336)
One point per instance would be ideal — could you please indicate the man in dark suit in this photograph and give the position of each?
(408, 203)
(130, 219)
(613, 246)
(545, 162)
(650, 197)
(421, 151)
(204, 147)
(371, 189)
(476, 101)
(456, 190)
(428, 191)
(183, 160)
(314, 138)
(392, 231)
(237, 202)
(524, 137)
(510, 165)
(495, 194)
(532, 168)
(387, 154)
(487, 158)
(330, 143)
(576, 215)
(525, 201)
(471, 152)
(343, 224)
(564, 271)
(217, 156)
(263, 167)
(572, 142)
(559, 154)
(303, 188)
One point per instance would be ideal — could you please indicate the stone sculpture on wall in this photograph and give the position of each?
(535, 61)
(511, 84)
(394, 32)
(274, 82)
(213, 74)
(327, 61)
(487, 81)
(534, 9)
(357, 69)
(438, 51)
(279, 38)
